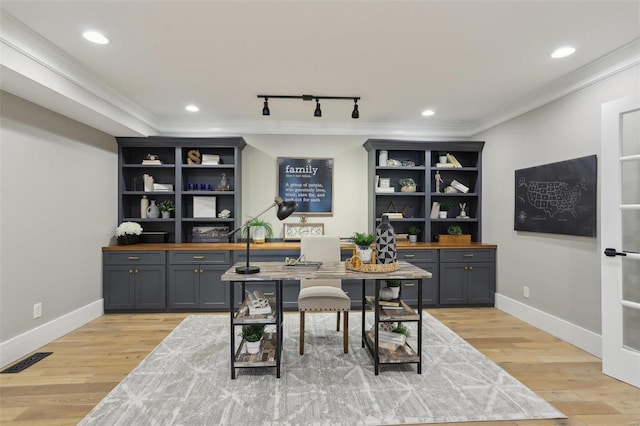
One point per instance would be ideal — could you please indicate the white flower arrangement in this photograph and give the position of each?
(128, 228)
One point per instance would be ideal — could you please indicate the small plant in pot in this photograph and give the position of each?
(400, 328)
(413, 232)
(363, 243)
(407, 185)
(252, 334)
(444, 208)
(442, 156)
(454, 230)
(166, 207)
(391, 291)
(260, 231)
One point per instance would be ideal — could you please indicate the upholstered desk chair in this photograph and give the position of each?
(322, 295)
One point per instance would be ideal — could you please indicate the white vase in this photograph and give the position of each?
(144, 205)
(442, 159)
(166, 215)
(365, 253)
(413, 238)
(443, 215)
(253, 347)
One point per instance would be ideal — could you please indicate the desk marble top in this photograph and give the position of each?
(274, 271)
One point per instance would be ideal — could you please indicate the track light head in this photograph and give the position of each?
(318, 111)
(355, 114)
(265, 108)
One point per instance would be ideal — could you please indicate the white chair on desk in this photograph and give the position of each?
(323, 295)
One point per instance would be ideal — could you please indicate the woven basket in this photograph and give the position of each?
(355, 264)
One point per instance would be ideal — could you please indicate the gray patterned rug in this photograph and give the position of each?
(185, 380)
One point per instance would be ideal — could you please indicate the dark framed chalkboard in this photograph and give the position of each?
(308, 182)
(558, 198)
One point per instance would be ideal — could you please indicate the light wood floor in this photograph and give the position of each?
(87, 363)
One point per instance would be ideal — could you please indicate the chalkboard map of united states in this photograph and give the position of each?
(557, 198)
(554, 197)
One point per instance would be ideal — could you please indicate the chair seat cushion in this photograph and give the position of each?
(323, 298)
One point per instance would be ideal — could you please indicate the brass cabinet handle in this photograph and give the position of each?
(198, 257)
(131, 271)
(471, 268)
(409, 255)
(410, 285)
(201, 271)
(467, 255)
(137, 271)
(268, 294)
(134, 257)
(195, 270)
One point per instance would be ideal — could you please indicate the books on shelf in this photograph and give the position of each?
(460, 187)
(162, 187)
(392, 302)
(393, 215)
(391, 340)
(435, 210)
(453, 160)
(385, 190)
(258, 303)
(151, 162)
(445, 165)
(210, 159)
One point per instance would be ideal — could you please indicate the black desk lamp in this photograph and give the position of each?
(285, 208)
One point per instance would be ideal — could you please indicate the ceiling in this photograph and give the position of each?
(475, 63)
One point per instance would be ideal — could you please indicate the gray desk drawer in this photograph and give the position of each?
(486, 255)
(202, 257)
(134, 257)
(418, 255)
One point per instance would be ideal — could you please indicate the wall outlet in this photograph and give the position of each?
(37, 310)
(525, 292)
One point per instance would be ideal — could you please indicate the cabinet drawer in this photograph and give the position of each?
(418, 255)
(211, 257)
(134, 257)
(467, 255)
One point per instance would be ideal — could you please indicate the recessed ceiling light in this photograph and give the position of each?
(95, 37)
(192, 108)
(428, 112)
(563, 52)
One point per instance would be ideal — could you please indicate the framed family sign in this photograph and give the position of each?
(308, 182)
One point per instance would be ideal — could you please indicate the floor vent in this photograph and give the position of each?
(27, 362)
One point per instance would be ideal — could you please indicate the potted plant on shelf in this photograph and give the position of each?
(442, 156)
(444, 208)
(454, 235)
(260, 230)
(407, 185)
(363, 245)
(252, 334)
(391, 291)
(413, 232)
(128, 233)
(166, 207)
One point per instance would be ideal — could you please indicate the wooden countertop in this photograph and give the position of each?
(280, 245)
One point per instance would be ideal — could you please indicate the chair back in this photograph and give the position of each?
(320, 248)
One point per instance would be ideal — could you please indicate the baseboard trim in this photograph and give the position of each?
(573, 334)
(25, 343)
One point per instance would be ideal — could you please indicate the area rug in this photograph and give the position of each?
(186, 380)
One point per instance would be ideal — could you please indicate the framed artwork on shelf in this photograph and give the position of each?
(293, 231)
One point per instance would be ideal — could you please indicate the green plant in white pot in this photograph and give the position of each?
(363, 245)
(260, 230)
(166, 207)
(252, 334)
(413, 232)
(407, 185)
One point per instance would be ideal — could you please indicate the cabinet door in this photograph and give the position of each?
(214, 294)
(480, 283)
(184, 286)
(353, 288)
(151, 287)
(119, 287)
(453, 284)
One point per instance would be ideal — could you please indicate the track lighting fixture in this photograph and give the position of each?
(318, 112)
(355, 114)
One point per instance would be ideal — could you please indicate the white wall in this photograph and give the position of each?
(259, 178)
(562, 272)
(58, 182)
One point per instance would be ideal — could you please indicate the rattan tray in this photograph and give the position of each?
(355, 264)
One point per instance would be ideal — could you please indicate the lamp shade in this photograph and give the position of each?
(285, 208)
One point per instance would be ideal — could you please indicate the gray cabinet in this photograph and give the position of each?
(467, 277)
(194, 280)
(186, 185)
(134, 280)
(427, 260)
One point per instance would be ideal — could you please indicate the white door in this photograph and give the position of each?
(620, 219)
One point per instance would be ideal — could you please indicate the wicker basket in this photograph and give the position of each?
(355, 264)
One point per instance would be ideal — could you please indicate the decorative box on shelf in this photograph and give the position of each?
(454, 239)
(154, 237)
(210, 234)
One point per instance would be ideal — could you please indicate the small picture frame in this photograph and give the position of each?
(294, 231)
